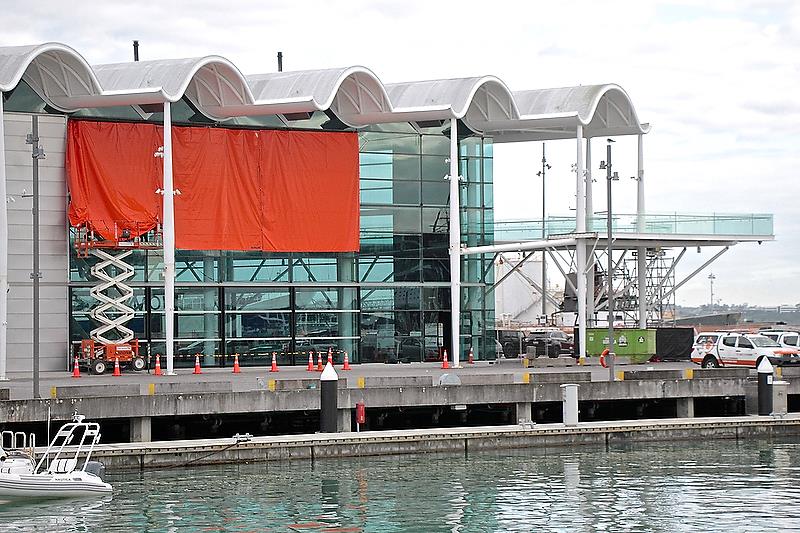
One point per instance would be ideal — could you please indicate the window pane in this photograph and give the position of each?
(339, 298)
(258, 325)
(435, 220)
(435, 193)
(389, 192)
(404, 143)
(435, 168)
(325, 324)
(255, 266)
(314, 269)
(257, 299)
(435, 144)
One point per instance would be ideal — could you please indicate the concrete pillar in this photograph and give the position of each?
(344, 420)
(685, 408)
(523, 413)
(141, 429)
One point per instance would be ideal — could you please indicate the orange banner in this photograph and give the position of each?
(275, 191)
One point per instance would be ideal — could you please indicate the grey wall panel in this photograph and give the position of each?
(53, 243)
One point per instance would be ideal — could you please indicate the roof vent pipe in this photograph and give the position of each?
(280, 61)
(136, 50)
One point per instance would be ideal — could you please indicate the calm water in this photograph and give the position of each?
(702, 486)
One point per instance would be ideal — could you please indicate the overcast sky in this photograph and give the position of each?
(718, 83)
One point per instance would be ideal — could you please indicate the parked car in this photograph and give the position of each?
(512, 341)
(787, 339)
(550, 343)
(740, 349)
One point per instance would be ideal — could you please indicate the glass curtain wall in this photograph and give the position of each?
(387, 303)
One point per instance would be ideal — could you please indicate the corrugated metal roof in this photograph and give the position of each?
(63, 78)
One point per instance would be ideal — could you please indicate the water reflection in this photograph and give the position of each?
(718, 486)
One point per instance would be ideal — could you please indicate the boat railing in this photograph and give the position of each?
(64, 454)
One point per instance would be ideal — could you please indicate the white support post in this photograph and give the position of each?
(580, 246)
(455, 246)
(169, 241)
(589, 214)
(641, 259)
(3, 250)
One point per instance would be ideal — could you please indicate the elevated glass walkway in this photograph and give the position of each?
(723, 226)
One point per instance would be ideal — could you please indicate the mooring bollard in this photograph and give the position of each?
(764, 387)
(570, 403)
(328, 408)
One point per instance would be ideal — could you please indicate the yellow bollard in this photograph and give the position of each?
(526, 377)
(524, 362)
(271, 385)
(620, 375)
(53, 392)
(151, 389)
(688, 373)
(361, 382)
(779, 372)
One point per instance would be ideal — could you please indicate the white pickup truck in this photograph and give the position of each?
(725, 348)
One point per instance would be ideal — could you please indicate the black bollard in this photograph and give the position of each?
(328, 404)
(764, 387)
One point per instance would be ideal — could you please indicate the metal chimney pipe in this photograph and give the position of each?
(280, 61)
(136, 50)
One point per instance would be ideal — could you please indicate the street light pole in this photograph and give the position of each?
(711, 278)
(610, 276)
(542, 174)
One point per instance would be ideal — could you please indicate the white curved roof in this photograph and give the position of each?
(63, 78)
(55, 71)
(602, 110)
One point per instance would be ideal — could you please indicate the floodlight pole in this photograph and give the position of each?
(3, 249)
(610, 276)
(169, 241)
(641, 255)
(455, 246)
(36, 153)
(543, 173)
(590, 287)
(580, 245)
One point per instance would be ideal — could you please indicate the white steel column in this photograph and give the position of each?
(580, 246)
(641, 255)
(455, 246)
(3, 249)
(589, 215)
(169, 240)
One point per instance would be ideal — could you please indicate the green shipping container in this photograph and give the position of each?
(638, 344)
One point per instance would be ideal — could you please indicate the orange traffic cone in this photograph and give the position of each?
(471, 358)
(236, 369)
(76, 371)
(445, 363)
(319, 361)
(274, 363)
(310, 367)
(346, 362)
(197, 365)
(158, 371)
(330, 356)
(116, 367)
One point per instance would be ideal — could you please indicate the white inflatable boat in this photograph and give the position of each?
(64, 471)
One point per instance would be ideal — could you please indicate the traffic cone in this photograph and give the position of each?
(236, 369)
(319, 361)
(197, 365)
(116, 367)
(445, 363)
(310, 367)
(274, 363)
(330, 356)
(158, 371)
(471, 358)
(346, 362)
(76, 371)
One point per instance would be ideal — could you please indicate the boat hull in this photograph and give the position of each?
(49, 486)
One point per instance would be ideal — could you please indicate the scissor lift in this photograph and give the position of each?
(112, 340)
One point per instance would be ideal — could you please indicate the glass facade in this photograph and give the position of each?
(389, 302)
